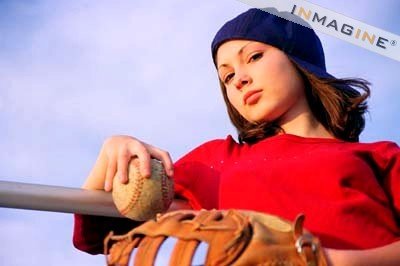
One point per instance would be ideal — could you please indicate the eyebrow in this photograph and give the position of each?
(239, 53)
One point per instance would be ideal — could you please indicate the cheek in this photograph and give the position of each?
(233, 97)
(282, 81)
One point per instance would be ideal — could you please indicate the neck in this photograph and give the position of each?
(301, 122)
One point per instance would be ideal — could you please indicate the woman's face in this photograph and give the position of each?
(261, 82)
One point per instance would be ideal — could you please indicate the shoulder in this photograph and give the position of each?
(215, 148)
(379, 147)
(387, 150)
(381, 152)
(227, 142)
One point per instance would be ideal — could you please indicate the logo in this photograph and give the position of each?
(346, 29)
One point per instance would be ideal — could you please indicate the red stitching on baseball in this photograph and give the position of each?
(136, 192)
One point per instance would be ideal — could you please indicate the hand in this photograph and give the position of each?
(114, 158)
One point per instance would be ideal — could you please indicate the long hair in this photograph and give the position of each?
(340, 111)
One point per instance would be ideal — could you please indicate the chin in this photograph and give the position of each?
(257, 120)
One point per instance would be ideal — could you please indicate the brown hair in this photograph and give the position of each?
(340, 111)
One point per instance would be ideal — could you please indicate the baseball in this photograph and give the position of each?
(142, 198)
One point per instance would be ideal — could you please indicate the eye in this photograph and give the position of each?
(228, 78)
(255, 57)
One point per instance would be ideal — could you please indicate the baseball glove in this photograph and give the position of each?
(233, 237)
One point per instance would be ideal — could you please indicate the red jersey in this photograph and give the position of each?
(349, 192)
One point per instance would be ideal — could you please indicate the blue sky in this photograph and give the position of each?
(75, 72)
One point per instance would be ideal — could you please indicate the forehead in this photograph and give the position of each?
(231, 48)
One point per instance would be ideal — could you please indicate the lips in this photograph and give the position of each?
(251, 96)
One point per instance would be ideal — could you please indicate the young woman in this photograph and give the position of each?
(298, 151)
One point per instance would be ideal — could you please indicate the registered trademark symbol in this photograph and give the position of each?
(393, 42)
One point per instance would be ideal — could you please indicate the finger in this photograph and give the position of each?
(165, 159)
(111, 169)
(123, 163)
(144, 161)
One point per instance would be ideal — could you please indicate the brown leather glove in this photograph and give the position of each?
(233, 237)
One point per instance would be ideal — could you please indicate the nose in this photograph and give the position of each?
(242, 80)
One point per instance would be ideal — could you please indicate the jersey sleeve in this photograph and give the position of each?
(196, 175)
(90, 231)
(388, 154)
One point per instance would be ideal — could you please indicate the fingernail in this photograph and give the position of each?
(146, 174)
(107, 186)
(170, 172)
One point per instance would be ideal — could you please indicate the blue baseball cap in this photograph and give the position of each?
(296, 39)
